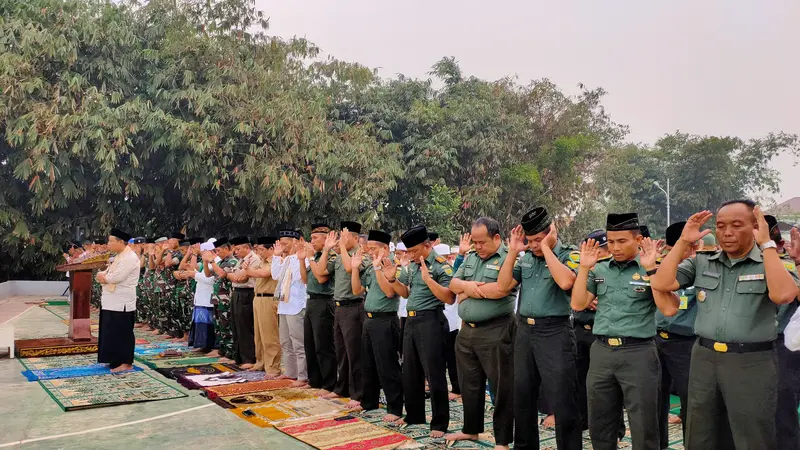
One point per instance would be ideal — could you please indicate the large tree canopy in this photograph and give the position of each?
(167, 114)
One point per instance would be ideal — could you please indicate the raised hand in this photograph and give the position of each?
(552, 236)
(762, 232)
(357, 259)
(277, 248)
(465, 244)
(331, 240)
(794, 245)
(426, 274)
(389, 269)
(691, 231)
(516, 242)
(405, 260)
(590, 253)
(302, 250)
(661, 244)
(648, 254)
(207, 256)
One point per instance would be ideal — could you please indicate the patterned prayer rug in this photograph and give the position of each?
(276, 412)
(180, 362)
(206, 369)
(198, 381)
(255, 398)
(107, 390)
(72, 372)
(58, 362)
(346, 433)
(247, 388)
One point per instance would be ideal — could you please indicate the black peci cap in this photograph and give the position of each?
(240, 240)
(673, 233)
(535, 221)
(289, 233)
(195, 240)
(599, 236)
(622, 222)
(119, 234)
(353, 227)
(432, 236)
(178, 236)
(415, 236)
(380, 236)
(320, 227)
(645, 232)
(223, 241)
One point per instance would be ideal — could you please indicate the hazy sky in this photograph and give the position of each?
(724, 67)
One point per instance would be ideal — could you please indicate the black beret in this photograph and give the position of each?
(645, 232)
(415, 236)
(353, 227)
(432, 236)
(599, 236)
(119, 234)
(178, 236)
(320, 227)
(223, 241)
(673, 233)
(379, 236)
(150, 241)
(240, 240)
(289, 233)
(184, 243)
(195, 240)
(535, 221)
(139, 240)
(622, 222)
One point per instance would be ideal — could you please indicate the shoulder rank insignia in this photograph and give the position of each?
(574, 260)
(398, 272)
(441, 259)
(790, 265)
(448, 269)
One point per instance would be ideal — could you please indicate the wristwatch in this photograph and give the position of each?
(651, 272)
(769, 244)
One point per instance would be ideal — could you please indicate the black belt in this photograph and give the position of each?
(666, 335)
(320, 297)
(264, 294)
(425, 312)
(375, 315)
(622, 341)
(349, 302)
(735, 347)
(491, 321)
(236, 289)
(543, 320)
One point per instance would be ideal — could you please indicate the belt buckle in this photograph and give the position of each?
(614, 342)
(471, 324)
(338, 304)
(530, 321)
(369, 314)
(587, 326)
(720, 347)
(412, 313)
(663, 334)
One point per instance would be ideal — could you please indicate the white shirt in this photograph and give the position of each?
(122, 276)
(451, 312)
(253, 261)
(203, 290)
(401, 308)
(289, 267)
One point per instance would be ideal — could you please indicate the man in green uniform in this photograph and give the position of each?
(177, 312)
(543, 352)
(674, 344)
(484, 346)
(318, 323)
(147, 283)
(142, 305)
(349, 316)
(425, 283)
(624, 367)
(786, 417)
(733, 375)
(220, 265)
(380, 366)
(171, 260)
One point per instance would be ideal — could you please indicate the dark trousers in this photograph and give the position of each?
(732, 398)
(424, 340)
(380, 366)
(347, 328)
(116, 341)
(786, 420)
(244, 343)
(628, 375)
(318, 342)
(675, 355)
(544, 355)
(452, 366)
(486, 352)
(584, 338)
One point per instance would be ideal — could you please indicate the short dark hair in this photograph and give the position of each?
(743, 201)
(492, 226)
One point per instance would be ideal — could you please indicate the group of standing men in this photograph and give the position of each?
(608, 327)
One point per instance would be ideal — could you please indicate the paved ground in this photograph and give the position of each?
(30, 419)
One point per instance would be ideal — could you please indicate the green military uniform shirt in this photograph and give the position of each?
(476, 269)
(587, 315)
(785, 312)
(733, 302)
(342, 286)
(539, 294)
(420, 297)
(625, 303)
(376, 300)
(683, 322)
(314, 287)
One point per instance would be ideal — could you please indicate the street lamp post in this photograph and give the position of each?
(666, 192)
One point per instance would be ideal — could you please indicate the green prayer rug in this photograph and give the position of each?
(108, 390)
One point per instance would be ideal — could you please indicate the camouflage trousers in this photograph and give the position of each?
(97, 291)
(224, 327)
(142, 304)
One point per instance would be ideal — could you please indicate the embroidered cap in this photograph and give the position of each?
(320, 227)
(599, 236)
(535, 221)
(289, 233)
(622, 222)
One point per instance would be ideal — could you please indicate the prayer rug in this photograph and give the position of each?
(154, 352)
(57, 302)
(197, 381)
(158, 345)
(247, 388)
(72, 372)
(108, 390)
(181, 362)
(346, 433)
(58, 362)
(140, 341)
(255, 398)
(284, 412)
(206, 369)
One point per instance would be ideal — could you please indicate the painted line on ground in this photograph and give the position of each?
(109, 427)
(23, 312)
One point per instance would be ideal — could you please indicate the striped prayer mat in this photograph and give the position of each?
(345, 433)
(275, 411)
(247, 388)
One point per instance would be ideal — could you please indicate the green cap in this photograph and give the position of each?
(709, 240)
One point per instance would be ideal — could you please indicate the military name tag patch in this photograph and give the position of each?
(753, 277)
(639, 289)
(701, 296)
(711, 274)
(493, 266)
(640, 283)
(526, 265)
(599, 280)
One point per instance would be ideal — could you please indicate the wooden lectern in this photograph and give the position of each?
(79, 339)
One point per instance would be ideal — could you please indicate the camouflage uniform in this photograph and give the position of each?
(97, 290)
(160, 299)
(185, 303)
(221, 298)
(142, 303)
